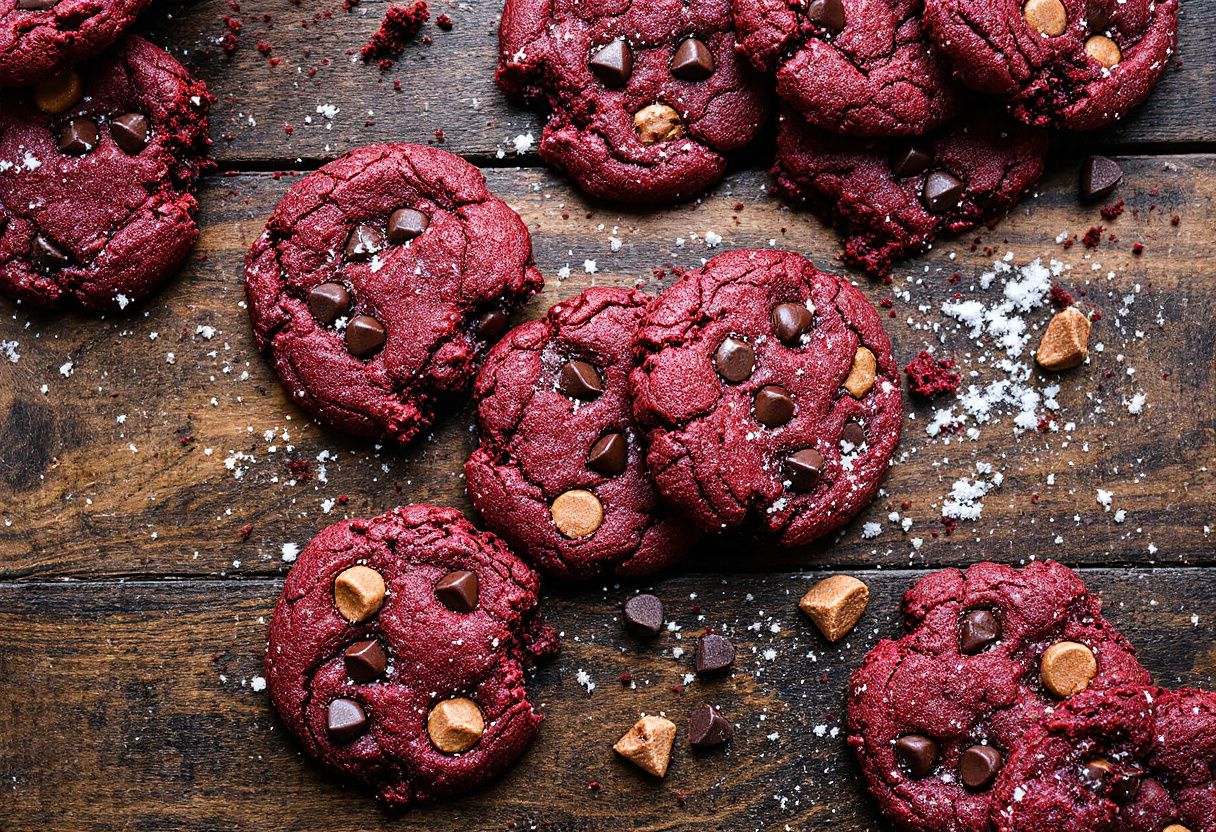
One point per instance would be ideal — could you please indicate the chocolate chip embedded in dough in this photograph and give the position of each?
(1103, 50)
(790, 322)
(942, 192)
(979, 766)
(365, 661)
(913, 161)
(735, 360)
(773, 406)
(345, 720)
(977, 631)
(609, 455)
(405, 224)
(48, 256)
(131, 132)
(657, 123)
(58, 94)
(363, 242)
(826, 14)
(364, 336)
(459, 590)
(803, 468)
(918, 754)
(692, 61)
(1047, 17)
(577, 513)
(78, 137)
(613, 64)
(328, 302)
(1067, 668)
(580, 380)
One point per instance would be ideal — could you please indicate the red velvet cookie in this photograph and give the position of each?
(378, 282)
(1134, 759)
(559, 473)
(891, 198)
(768, 394)
(41, 38)
(1078, 64)
(646, 99)
(863, 68)
(397, 652)
(989, 652)
(97, 173)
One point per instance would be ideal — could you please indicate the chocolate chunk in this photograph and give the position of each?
(912, 162)
(36, 5)
(715, 654)
(708, 729)
(580, 380)
(854, 434)
(609, 455)
(826, 14)
(48, 256)
(790, 322)
(613, 64)
(493, 324)
(917, 753)
(692, 61)
(406, 224)
(979, 766)
(364, 336)
(346, 720)
(458, 590)
(977, 631)
(1099, 176)
(802, 469)
(735, 360)
(942, 193)
(78, 137)
(131, 133)
(365, 660)
(363, 242)
(328, 302)
(643, 616)
(773, 406)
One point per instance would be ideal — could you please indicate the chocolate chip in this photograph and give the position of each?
(854, 434)
(36, 5)
(613, 64)
(459, 590)
(1099, 176)
(346, 720)
(715, 654)
(917, 753)
(48, 256)
(735, 360)
(580, 380)
(942, 193)
(826, 14)
(328, 302)
(609, 455)
(643, 616)
(802, 469)
(365, 660)
(364, 336)
(78, 137)
(493, 324)
(406, 224)
(912, 162)
(977, 631)
(363, 242)
(979, 766)
(790, 322)
(692, 61)
(131, 133)
(707, 728)
(773, 406)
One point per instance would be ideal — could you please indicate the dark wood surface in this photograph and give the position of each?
(144, 510)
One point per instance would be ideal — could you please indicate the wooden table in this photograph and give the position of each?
(152, 474)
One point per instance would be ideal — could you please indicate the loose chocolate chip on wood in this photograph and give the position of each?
(363, 242)
(802, 469)
(78, 137)
(854, 434)
(58, 94)
(643, 616)
(979, 766)
(577, 513)
(613, 64)
(364, 336)
(911, 162)
(493, 324)
(977, 631)
(1099, 176)
(345, 720)
(328, 301)
(131, 132)
(648, 744)
(359, 593)
(835, 604)
(459, 590)
(826, 14)
(365, 660)
(735, 360)
(790, 322)
(917, 753)
(708, 729)
(773, 406)
(1067, 668)
(1103, 50)
(1047, 17)
(580, 380)
(455, 725)
(942, 193)
(715, 654)
(657, 123)
(609, 455)
(48, 256)
(692, 61)
(406, 224)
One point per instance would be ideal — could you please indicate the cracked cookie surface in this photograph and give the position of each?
(379, 281)
(554, 417)
(768, 394)
(934, 714)
(646, 99)
(41, 38)
(96, 180)
(429, 677)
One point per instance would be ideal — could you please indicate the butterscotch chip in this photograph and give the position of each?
(834, 604)
(1067, 668)
(1047, 17)
(862, 374)
(1176, 827)
(59, 93)
(1103, 50)
(657, 123)
(577, 513)
(648, 744)
(359, 593)
(455, 725)
(1065, 342)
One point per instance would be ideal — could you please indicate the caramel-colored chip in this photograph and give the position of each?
(648, 744)
(358, 593)
(59, 93)
(455, 725)
(657, 123)
(835, 604)
(1067, 668)
(1047, 17)
(577, 513)
(1175, 827)
(1065, 342)
(862, 374)
(1103, 50)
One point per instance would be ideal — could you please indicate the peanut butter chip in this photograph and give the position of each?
(1175, 827)
(1103, 50)
(1067, 668)
(862, 375)
(577, 513)
(835, 604)
(1047, 17)
(59, 93)
(455, 725)
(359, 593)
(648, 744)
(657, 123)
(1065, 342)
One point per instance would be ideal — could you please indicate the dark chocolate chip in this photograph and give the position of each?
(802, 469)
(78, 137)
(1099, 176)
(580, 380)
(131, 132)
(790, 322)
(773, 406)
(692, 61)
(364, 336)
(735, 360)
(493, 324)
(609, 455)
(854, 434)
(942, 193)
(48, 256)
(458, 590)
(644, 616)
(363, 242)
(328, 302)
(707, 728)
(715, 654)
(917, 753)
(977, 631)
(346, 720)
(979, 766)
(613, 64)
(406, 224)
(911, 162)
(826, 14)
(36, 5)
(365, 660)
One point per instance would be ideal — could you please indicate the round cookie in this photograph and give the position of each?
(1133, 759)
(988, 652)
(891, 198)
(397, 651)
(41, 38)
(378, 282)
(559, 472)
(97, 172)
(768, 394)
(646, 99)
(863, 68)
(1079, 64)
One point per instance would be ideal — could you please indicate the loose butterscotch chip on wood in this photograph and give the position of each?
(1047, 17)
(1065, 342)
(455, 725)
(359, 593)
(58, 94)
(835, 604)
(862, 374)
(657, 123)
(648, 744)
(1067, 668)
(1103, 50)
(577, 513)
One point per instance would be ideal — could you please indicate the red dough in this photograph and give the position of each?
(434, 652)
(37, 44)
(401, 25)
(536, 441)
(929, 377)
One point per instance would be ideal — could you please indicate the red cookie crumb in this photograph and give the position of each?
(929, 377)
(1060, 297)
(400, 25)
(1112, 211)
(1093, 236)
